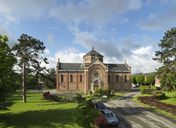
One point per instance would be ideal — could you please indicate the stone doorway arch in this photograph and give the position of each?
(97, 83)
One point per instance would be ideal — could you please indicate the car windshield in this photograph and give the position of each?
(109, 115)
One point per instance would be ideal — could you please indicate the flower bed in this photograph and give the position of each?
(150, 100)
(101, 122)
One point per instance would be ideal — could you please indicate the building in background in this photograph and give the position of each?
(93, 73)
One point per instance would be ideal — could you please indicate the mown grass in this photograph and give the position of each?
(170, 98)
(38, 113)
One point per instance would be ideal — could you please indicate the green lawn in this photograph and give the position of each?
(171, 98)
(38, 113)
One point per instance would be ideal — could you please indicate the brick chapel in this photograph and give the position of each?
(92, 73)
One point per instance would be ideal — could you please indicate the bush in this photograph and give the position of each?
(150, 100)
(147, 89)
(101, 122)
(58, 98)
(86, 112)
(159, 95)
(100, 91)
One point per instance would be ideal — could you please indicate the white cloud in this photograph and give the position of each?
(70, 55)
(138, 57)
(15, 10)
(143, 51)
(160, 21)
(94, 11)
(139, 62)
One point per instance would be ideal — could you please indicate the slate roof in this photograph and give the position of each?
(70, 66)
(93, 52)
(79, 66)
(117, 67)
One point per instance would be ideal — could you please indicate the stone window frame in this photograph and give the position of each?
(71, 78)
(125, 78)
(117, 78)
(62, 78)
(80, 78)
(109, 78)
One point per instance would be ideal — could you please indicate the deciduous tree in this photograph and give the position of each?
(7, 61)
(140, 79)
(150, 79)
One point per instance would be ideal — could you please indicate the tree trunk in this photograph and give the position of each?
(24, 83)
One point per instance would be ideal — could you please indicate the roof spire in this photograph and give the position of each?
(92, 47)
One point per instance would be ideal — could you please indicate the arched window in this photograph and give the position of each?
(80, 78)
(117, 78)
(109, 78)
(125, 77)
(71, 78)
(62, 78)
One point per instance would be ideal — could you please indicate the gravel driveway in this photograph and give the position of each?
(135, 116)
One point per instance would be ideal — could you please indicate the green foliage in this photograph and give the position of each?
(159, 95)
(102, 91)
(167, 56)
(168, 82)
(147, 89)
(49, 79)
(87, 112)
(32, 81)
(134, 80)
(7, 61)
(140, 79)
(150, 79)
(29, 52)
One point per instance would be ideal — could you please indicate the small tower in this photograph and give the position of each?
(92, 56)
(58, 63)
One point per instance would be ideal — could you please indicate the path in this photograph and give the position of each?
(134, 116)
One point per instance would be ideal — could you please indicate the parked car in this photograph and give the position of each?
(100, 106)
(111, 117)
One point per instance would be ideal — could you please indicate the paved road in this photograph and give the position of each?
(134, 116)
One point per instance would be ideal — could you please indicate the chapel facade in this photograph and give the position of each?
(93, 73)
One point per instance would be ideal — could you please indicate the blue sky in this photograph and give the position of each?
(119, 29)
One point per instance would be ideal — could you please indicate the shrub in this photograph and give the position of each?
(101, 122)
(146, 89)
(58, 98)
(86, 112)
(101, 91)
(159, 95)
(46, 95)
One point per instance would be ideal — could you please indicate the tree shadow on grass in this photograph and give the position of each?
(39, 119)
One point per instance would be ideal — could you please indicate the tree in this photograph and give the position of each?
(134, 80)
(87, 113)
(7, 61)
(167, 56)
(50, 79)
(32, 81)
(140, 79)
(150, 79)
(29, 52)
